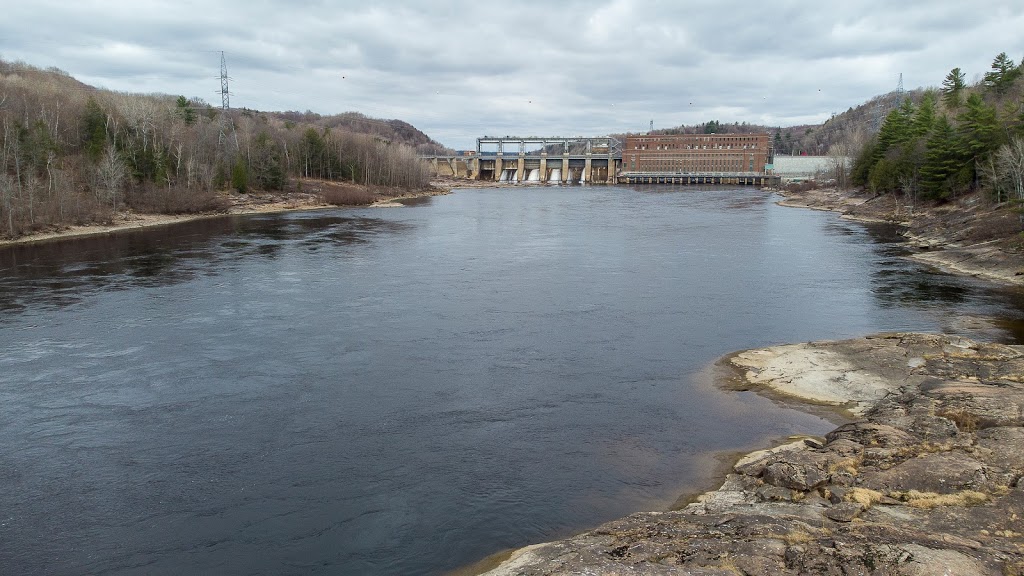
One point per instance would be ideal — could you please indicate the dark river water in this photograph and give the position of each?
(407, 390)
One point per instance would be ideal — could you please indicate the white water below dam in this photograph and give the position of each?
(511, 175)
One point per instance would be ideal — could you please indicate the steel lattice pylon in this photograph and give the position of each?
(225, 101)
(224, 93)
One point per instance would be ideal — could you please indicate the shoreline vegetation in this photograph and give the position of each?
(75, 155)
(306, 194)
(303, 194)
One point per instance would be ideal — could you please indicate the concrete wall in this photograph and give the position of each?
(800, 167)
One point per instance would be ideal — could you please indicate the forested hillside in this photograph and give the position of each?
(73, 154)
(957, 138)
(927, 143)
(811, 139)
(390, 130)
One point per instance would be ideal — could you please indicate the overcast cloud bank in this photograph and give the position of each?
(461, 70)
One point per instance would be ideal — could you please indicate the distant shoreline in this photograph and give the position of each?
(253, 203)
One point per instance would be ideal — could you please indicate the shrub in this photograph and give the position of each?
(173, 200)
(347, 196)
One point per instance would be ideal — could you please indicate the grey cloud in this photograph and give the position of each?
(459, 70)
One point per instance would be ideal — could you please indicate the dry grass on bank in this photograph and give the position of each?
(351, 197)
(165, 200)
(929, 500)
(339, 193)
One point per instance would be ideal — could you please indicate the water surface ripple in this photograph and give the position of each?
(402, 391)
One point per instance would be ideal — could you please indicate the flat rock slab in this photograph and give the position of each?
(811, 373)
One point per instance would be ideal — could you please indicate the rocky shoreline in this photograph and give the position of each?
(925, 479)
(969, 235)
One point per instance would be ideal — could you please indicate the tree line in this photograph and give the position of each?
(956, 138)
(73, 154)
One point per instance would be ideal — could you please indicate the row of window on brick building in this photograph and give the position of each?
(709, 164)
(696, 147)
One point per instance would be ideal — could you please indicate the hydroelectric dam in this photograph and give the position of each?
(552, 160)
(736, 159)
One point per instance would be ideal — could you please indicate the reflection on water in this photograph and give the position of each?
(404, 391)
(64, 272)
(898, 283)
(925, 290)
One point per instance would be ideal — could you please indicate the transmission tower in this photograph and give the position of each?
(882, 110)
(224, 93)
(652, 125)
(225, 101)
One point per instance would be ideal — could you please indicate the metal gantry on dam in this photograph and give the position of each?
(569, 160)
(555, 160)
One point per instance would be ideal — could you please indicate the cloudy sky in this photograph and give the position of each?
(459, 70)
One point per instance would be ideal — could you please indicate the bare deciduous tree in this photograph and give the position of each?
(110, 174)
(69, 154)
(1010, 159)
(7, 189)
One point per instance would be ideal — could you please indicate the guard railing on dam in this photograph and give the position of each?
(730, 178)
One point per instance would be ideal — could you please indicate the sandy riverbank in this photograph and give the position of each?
(251, 203)
(928, 479)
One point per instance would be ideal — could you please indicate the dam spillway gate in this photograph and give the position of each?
(554, 160)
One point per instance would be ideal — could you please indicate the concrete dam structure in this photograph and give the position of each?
(547, 160)
(537, 160)
(734, 159)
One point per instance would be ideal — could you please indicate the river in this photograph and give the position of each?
(407, 390)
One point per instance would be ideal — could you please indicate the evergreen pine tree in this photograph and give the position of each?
(942, 160)
(952, 88)
(924, 116)
(895, 130)
(978, 128)
(862, 165)
(185, 110)
(94, 130)
(1003, 74)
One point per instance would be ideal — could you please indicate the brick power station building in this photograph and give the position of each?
(697, 159)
